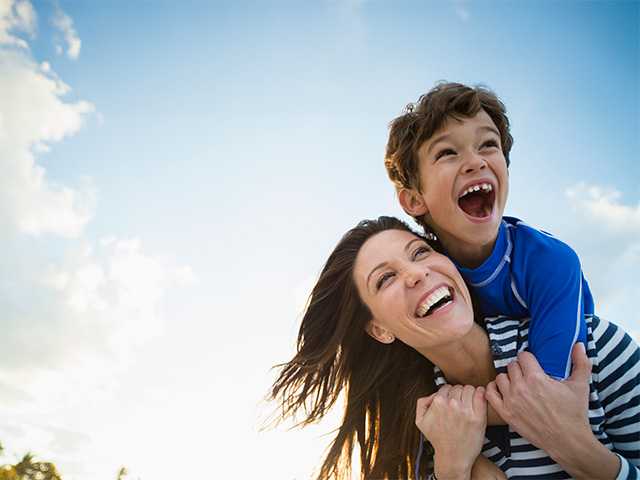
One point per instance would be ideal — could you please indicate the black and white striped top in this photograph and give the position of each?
(614, 403)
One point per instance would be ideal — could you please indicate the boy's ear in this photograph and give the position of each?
(412, 202)
(379, 333)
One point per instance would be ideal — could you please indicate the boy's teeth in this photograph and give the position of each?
(485, 187)
(431, 300)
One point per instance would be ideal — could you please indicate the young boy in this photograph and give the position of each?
(448, 156)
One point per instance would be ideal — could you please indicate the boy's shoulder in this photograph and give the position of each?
(529, 238)
(535, 248)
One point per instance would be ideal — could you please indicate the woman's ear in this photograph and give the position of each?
(379, 333)
(412, 202)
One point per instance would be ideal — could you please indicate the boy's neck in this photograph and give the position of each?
(468, 256)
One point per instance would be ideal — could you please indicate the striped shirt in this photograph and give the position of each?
(614, 401)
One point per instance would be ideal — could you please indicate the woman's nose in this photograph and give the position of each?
(414, 275)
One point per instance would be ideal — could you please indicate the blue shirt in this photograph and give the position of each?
(532, 274)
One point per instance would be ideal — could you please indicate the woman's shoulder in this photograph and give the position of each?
(611, 348)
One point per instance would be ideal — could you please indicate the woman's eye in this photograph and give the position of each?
(444, 153)
(421, 252)
(383, 279)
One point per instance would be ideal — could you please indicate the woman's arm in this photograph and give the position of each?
(553, 415)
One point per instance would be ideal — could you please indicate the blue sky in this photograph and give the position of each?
(206, 158)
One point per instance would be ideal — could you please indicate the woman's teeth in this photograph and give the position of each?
(485, 187)
(437, 296)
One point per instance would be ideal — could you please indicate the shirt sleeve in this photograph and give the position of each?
(627, 470)
(552, 283)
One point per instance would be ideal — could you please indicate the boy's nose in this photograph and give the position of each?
(473, 162)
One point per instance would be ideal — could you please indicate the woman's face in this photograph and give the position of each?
(414, 293)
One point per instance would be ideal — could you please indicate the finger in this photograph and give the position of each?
(479, 402)
(444, 391)
(581, 370)
(514, 371)
(422, 405)
(467, 395)
(528, 364)
(503, 384)
(456, 393)
(429, 400)
(492, 394)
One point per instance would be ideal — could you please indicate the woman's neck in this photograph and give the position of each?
(467, 361)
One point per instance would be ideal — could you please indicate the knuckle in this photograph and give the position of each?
(538, 377)
(438, 402)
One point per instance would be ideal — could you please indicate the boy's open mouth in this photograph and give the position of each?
(477, 200)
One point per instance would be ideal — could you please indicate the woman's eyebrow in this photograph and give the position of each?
(407, 247)
(381, 265)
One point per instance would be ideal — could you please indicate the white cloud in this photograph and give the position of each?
(16, 16)
(460, 7)
(609, 243)
(33, 114)
(604, 205)
(75, 311)
(64, 23)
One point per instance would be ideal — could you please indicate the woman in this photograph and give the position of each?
(386, 309)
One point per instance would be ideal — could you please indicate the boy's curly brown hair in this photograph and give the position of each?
(422, 119)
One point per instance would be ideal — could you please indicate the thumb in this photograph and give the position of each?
(581, 365)
(422, 405)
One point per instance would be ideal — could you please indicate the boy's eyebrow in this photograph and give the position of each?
(384, 264)
(490, 129)
(446, 135)
(437, 140)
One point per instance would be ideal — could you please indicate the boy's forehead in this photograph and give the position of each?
(480, 120)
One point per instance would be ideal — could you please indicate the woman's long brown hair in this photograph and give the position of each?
(381, 382)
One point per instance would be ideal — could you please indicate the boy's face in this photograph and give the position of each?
(464, 183)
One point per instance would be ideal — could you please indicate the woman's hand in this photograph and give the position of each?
(454, 421)
(552, 414)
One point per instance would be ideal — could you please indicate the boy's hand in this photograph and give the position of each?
(454, 421)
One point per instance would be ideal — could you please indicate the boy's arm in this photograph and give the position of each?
(551, 284)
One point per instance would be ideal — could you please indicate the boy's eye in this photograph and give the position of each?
(383, 279)
(421, 252)
(444, 153)
(489, 144)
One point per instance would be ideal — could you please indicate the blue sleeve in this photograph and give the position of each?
(551, 278)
